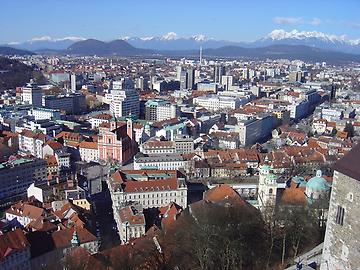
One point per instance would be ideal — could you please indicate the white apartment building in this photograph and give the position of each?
(97, 120)
(130, 222)
(89, 151)
(124, 102)
(32, 94)
(216, 103)
(31, 143)
(45, 114)
(150, 188)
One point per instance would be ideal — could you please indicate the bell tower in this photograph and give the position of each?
(267, 188)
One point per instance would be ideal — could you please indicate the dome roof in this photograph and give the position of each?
(300, 181)
(318, 183)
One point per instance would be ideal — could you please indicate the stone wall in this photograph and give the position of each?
(342, 242)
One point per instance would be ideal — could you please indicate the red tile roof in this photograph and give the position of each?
(12, 241)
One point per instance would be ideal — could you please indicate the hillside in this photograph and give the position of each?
(4, 50)
(14, 73)
(97, 47)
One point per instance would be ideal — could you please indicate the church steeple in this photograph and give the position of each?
(75, 242)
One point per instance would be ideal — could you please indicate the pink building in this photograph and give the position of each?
(116, 141)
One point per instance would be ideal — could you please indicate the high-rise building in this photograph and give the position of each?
(73, 82)
(190, 76)
(124, 99)
(226, 81)
(219, 71)
(140, 83)
(32, 94)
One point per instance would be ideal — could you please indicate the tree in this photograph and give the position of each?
(333, 132)
(219, 237)
(349, 128)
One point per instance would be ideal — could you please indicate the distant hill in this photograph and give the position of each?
(123, 48)
(4, 50)
(97, 47)
(13, 73)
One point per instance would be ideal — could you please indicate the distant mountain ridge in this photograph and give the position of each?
(123, 48)
(174, 42)
(97, 47)
(4, 50)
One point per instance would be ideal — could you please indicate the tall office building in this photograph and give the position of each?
(32, 94)
(140, 83)
(226, 81)
(73, 82)
(124, 99)
(218, 72)
(190, 76)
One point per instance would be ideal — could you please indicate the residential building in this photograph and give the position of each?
(89, 151)
(32, 94)
(150, 188)
(18, 174)
(15, 251)
(254, 130)
(124, 100)
(31, 143)
(159, 110)
(130, 222)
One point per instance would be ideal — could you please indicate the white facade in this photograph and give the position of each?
(164, 162)
(216, 103)
(43, 113)
(32, 94)
(89, 154)
(124, 102)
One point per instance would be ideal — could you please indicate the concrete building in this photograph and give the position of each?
(31, 143)
(341, 248)
(226, 82)
(254, 130)
(218, 72)
(71, 103)
(32, 94)
(216, 103)
(124, 102)
(18, 174)
(45, 114)
(159, 110)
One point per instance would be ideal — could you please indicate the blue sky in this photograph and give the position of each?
(235, 20)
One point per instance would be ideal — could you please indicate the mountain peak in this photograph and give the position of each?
(170, 36)
(281, 34)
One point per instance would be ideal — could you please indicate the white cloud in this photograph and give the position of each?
(287, 20)
(315, 21)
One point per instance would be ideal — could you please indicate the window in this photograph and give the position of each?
(350, 197)
(340, 215)
(270, 191)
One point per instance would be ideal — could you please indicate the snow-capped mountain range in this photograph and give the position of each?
(172, 41)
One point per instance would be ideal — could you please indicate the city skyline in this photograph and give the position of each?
(115, 20)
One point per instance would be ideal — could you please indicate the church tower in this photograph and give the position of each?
(129, 125)
(267, 187)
